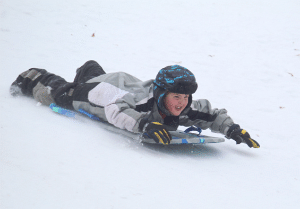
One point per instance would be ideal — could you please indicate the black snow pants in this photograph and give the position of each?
(49, 88)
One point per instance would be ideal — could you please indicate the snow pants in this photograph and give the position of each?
(49, 88)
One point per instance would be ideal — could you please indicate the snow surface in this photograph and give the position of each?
(246, 57)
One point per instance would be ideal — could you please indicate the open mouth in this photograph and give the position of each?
(178, 108)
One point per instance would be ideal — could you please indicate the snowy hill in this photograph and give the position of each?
(246, 58)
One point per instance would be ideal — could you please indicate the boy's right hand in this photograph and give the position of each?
(158, 133)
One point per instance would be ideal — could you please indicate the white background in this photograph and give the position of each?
(246, 58)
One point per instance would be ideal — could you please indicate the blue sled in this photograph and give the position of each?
(178, 137)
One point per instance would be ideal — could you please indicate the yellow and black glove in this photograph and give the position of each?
(241, 136)
(158, 133)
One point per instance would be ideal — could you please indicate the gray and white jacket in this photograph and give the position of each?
(129, 103)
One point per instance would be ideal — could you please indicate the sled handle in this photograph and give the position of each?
(193, 128)
(70, 113)
(62, 111)
(89, 115)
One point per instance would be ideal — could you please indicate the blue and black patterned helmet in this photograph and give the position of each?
(176, 79)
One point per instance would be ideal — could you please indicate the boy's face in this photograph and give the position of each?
(175, 103)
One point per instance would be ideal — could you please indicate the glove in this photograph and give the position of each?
(241, 136)
(158, 133)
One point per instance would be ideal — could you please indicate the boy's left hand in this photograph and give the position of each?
(241, 135)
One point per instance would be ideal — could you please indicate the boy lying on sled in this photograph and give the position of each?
(154, 106)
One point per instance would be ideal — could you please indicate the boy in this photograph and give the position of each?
(154, 106)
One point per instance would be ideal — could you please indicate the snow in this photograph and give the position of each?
(246, 58)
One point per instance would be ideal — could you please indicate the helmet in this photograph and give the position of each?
(176, 79)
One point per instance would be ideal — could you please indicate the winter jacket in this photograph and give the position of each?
(129, 103)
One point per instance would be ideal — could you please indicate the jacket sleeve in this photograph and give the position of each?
(122, 115)
(118, 106)
(202, 115)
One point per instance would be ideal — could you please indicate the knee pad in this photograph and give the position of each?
(42, 94)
